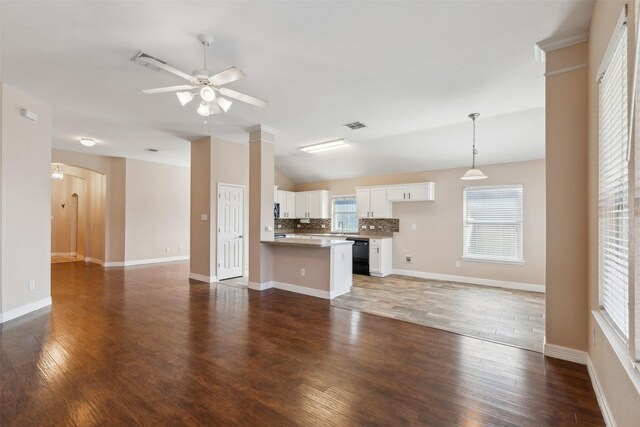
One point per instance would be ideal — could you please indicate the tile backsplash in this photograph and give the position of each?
(381, 226)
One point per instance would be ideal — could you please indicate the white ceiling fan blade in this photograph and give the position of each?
(169, 89)
(242, 97)
(227, 76)
(169, 68)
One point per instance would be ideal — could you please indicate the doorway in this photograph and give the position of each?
(230, 231)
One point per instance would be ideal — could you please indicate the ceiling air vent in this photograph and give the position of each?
(355, 125)
(151, 150)
(141, 58)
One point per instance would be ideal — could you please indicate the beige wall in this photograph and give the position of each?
(436, 244)
(623, 398)
(566, 148)
(214, 161)
(157, 211)
(283, 182)
(25, 151)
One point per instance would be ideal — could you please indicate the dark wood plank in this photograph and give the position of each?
(144, 346)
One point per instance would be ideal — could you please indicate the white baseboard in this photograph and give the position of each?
(471, 280)
(113, 264)
(73, 253)
(203, 278)
(155, 260)
(63, 253)
(602, 401)
(94, 261)
(260, 286)
(302, 290)
(334, 294)
(25, 309)
(565, 353)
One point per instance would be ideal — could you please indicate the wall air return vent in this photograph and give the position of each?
(151, 150)
(355, 125)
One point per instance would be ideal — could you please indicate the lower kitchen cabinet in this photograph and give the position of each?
(380, 257)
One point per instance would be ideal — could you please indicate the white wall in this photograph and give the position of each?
(25, 192)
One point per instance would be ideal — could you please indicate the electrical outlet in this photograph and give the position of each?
(413, 226)
(204, 217)
(268, 228)
(458, 264)
(302, 272)
(279, 225)
(32, 285)
(298, 225)
(179, 248)
(364, 227)
(323, 226)
(168, 249)
(407, 259)
(372, 227)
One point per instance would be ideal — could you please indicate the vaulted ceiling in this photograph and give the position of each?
(410, 71)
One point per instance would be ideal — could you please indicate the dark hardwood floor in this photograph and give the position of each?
(143, 346)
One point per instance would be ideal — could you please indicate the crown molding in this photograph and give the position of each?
(552, 44)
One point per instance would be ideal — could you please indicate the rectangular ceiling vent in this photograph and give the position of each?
(151, 150)
(355, 125)
(141, 58)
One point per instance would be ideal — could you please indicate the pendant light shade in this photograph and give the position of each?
(57, 174)
(473, 173)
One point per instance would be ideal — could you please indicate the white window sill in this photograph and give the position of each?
(492, 261)
(619, 348)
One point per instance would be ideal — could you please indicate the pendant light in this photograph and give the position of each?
(474, 173)
(57, 174)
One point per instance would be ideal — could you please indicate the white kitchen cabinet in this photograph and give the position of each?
(422, 191)
(372, 203)
(312, 204)
(380, 257)
(287, 200)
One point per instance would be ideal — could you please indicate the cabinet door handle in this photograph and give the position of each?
(378, 250)
(409, 196)
(404, 195)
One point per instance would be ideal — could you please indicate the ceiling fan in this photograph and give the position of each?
(209, 86)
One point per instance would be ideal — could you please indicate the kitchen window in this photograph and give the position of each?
(344, 216)
(492, 229)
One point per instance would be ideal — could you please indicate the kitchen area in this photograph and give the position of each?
(365, 219)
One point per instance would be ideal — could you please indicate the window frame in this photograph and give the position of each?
(334, 223)
(496, 260)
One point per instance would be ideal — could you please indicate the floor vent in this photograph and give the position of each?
(355, 125)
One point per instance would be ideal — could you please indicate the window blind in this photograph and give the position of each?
(493, 223)
(613, 181)
(344, 211)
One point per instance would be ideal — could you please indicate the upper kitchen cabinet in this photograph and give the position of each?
(422, 191)
(287, 201)
(313, 204)
(372, 203)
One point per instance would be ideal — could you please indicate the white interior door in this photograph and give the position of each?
(230, 231)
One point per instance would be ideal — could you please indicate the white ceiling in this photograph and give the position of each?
(411, 71)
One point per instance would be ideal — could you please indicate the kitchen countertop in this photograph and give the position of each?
(349, 236)
(308, 243)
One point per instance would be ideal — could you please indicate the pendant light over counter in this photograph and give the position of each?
(473, 173)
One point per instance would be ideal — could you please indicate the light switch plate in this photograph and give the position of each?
(204, 217)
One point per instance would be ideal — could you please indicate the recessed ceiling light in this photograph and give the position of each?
(87, 142)
(325, 146)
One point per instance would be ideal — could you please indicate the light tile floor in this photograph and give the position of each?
(505, 316)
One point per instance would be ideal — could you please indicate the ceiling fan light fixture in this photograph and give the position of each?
(87, 142)
(207, 94)
(225, 104)
(184, 97)
(204, 109)
(474, 173)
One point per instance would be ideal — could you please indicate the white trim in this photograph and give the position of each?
(73, 253)
(218, 226)
(619, 348)
(613, 43)
(302, 290)
(602, 400)
(471, 280)
(260, 286)
(25, 309)
(550, 45)
(492, 260)
(565, 70)
(62, 254)
(155, 260)
(203, 278)
(565, 353)
(113, 264)
(94, 261)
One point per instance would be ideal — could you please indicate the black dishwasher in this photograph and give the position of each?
(360, 256)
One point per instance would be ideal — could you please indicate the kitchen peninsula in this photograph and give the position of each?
(319, 267)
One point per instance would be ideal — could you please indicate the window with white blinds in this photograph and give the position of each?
(344, 214)
(493, 223)
(613, 183)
